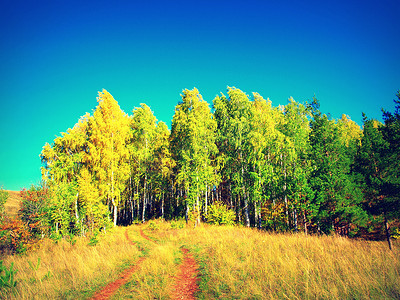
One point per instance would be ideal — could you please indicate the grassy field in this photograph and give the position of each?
(234, 263)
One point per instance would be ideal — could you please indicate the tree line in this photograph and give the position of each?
(284, 168)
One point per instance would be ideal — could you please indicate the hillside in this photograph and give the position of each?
(12, 204)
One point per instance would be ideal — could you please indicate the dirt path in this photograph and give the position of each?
(124, 277)
(186, 282)
(145, 236)
(107, 291)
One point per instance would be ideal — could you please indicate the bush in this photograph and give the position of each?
(15, 236)
(93, 241)
(34, 210)
(177, 224)
(153, 225)
(219, 214)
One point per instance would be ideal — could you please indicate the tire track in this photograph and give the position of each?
(146, 237)
(111, 288)
(186, 281)
(107, 291)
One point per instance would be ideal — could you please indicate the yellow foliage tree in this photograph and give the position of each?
(108, 155)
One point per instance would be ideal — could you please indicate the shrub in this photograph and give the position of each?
(219, 214)
(93, 239)
(177, 224)
(153, 225)
(15, 236)
(34, 210)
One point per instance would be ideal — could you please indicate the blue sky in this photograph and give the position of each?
(56, 55)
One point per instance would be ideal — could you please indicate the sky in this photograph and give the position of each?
(55, 56)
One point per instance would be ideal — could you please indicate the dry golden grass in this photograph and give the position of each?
(241, 263)
(69, 271)
(235, 263)
(13, 203)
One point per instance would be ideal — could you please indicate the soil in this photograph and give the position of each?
(186, 281)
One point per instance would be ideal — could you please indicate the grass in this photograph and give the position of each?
(241, 263)
(234, 263)
(65, 271)
(13, 203)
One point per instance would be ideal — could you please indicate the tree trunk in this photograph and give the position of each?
(112, 182)
(230, 195)
(162, 205)
(273, 207)
(305, 222)
(255, 214)
(237, 205)
(246, 207)
(131, 199)
(137, 201)
(76, 208)
(246, 211)
(132, 210)
(187, 213)
(212, 196)
(144, 200)
(205, 204)
(115, 212)
(387, 231)
(284, 191)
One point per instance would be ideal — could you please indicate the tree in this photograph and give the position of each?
(62, 163)
(377, 163)
(296, 128)
(94, 209)
(193, 147)
(336, 194)
(108, 154)
(391, 134)
(264, 143)
(143, 130)
(163, 163)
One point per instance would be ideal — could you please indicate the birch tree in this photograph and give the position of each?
(233, 115)
(192, 147)
(108, 154)
(143, 126)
